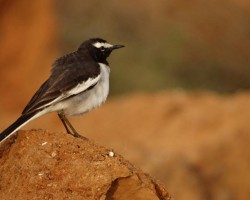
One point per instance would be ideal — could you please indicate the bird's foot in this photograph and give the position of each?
(77, 135)
(80, 136)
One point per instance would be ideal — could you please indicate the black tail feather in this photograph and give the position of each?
(16, 125)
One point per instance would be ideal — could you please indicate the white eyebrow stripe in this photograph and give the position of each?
(102, 44)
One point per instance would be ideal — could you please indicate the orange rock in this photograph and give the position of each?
(28, 31)
(44, 165)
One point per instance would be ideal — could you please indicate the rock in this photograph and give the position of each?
(28, 48)
(42, 165)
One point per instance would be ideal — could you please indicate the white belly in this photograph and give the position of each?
(88, 100)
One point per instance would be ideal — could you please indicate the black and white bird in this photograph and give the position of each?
(79, 82)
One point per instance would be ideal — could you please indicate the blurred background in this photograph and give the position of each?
(179, 99)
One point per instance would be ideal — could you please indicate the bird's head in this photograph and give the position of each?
(99, 49)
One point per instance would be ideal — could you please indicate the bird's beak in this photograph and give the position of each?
(117, 47)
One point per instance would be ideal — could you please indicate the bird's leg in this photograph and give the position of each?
(61, 116)
(67, 124)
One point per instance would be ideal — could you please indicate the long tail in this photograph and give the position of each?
(21, 121)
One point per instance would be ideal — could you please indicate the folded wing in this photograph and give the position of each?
(67, 80)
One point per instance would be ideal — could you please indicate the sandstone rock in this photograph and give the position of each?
(44, 165)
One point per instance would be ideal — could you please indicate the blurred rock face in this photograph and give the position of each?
(197, 143)
(27, 49)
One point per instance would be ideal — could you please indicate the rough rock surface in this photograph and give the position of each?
(42, 165)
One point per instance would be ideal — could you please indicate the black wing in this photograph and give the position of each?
(68, 73)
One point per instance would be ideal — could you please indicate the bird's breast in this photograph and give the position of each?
(92, 98)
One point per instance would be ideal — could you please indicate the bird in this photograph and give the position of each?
(78, 83)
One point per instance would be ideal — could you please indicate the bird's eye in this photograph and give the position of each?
(102, 48)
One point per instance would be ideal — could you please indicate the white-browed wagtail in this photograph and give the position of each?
(79, 82)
